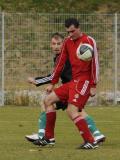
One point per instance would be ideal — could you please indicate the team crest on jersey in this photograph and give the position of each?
(76, 96)
(74, 100)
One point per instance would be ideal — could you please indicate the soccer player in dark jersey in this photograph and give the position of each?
(66, 76)
(55, 44)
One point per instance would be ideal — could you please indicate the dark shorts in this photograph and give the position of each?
(61, 105)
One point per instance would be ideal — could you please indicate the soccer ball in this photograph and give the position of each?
(85, 52)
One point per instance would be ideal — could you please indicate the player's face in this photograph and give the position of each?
(56, 45)
(73, 32)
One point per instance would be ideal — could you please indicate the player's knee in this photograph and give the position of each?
(72, 112)
(47, 101)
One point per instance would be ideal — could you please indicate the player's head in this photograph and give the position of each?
(56, 42)
(72, 27)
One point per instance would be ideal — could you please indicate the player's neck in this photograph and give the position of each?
(79, 36)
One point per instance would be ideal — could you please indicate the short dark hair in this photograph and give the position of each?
(71, 21)
(57, 35)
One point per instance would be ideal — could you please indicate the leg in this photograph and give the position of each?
(50, 114)
(49, 139)
(98, 136)
(78, 96)
(80, 123)
(41, 123)
(42, 119)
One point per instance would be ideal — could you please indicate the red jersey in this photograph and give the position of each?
(80, 69)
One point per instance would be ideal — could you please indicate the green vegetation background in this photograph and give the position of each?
(55, 6)
(27, 38)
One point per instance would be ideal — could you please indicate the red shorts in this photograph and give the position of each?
(75, 92)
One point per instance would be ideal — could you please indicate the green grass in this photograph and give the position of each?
(16, 122)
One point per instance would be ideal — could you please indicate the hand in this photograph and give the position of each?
(31, 80)
(92, 92)
(50, 88)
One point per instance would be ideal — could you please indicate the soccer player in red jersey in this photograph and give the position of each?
(66, 76)
(79, 89)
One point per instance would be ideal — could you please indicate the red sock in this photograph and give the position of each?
(50, 124)
(83, 128)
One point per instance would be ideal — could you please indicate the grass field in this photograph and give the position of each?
(16, 122)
